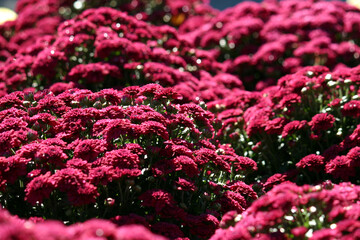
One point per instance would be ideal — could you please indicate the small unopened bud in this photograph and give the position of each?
(217, 206)
(347, 81)
(97, 105)
(220, 151)
(183, 205)
(328, 77)
(203, 105)
(31, 135)
(74, 103)
(36, 126)
(110, 202)
(26, 104)
(331, 83)
(137, 188)
(150, 179)
(68, 212)
(207, 196)
(310, 74)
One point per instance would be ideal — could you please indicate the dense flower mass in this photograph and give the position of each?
(14, 228)
(306, 123)
(260, 42)
(326, 211)
(79, 155)
(102, 48)
(160, 119)
(41, 17)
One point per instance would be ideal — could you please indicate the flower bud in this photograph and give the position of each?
(110, 202)
(97, 105)
(137, 188)
(26, 104)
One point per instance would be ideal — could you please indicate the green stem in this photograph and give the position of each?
(121, 194)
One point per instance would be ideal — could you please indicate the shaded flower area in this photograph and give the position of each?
(132, 156)
(304, 129)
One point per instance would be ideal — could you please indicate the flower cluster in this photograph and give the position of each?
(308, 121)
(103, 48)
(174, 13)
(15, 228)
(326, 211)
(261, 42)
(35, 19)
(40, 18)
(104, 120)
(131, 155)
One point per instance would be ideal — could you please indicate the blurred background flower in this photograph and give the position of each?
(356, 3)
(219, 4)
(6, 14)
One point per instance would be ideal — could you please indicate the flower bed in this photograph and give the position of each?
(81, 155)
(305, 127)
(171, 120)
(261, 42)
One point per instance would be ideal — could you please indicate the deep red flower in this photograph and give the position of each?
(351, 109)
(231, 201)
(160, 200)
(202, 226)
(243, 188)
(185, 185)
(312, 162)
(121, 158)
(93, 73)
(354, 156)
(340, 167)
(292, 127)
(321, 122)
(169, 230)
(76, 185)
(88, 149)
(39, 188)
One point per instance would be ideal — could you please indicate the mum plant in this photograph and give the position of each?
(103, 48)
(304, 129)
(133, 156)
(261, 42)
(40, 18)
